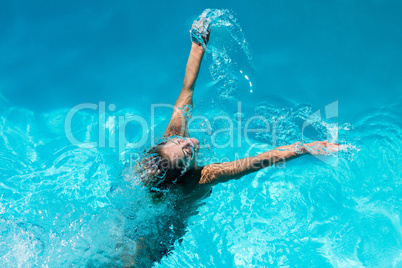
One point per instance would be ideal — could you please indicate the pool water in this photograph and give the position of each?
(63, 205)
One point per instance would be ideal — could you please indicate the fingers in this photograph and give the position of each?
(322, 147)
(200, 30)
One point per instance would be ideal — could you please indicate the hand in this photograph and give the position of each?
(321, 147)
(200, 32)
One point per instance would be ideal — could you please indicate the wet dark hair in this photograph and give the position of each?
(157, 171)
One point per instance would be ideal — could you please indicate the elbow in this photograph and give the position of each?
(188, 85)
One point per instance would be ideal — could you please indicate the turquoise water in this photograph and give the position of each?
(64, 206)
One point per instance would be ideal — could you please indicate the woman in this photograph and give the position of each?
(173, 161)
(170, 168)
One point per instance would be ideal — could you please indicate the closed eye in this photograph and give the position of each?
(177, 142)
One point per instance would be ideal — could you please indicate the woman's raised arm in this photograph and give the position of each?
(178, 124)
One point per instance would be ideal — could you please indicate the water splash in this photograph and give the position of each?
(228, 47)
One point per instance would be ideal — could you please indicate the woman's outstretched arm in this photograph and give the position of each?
(178, 124)
(221, 172)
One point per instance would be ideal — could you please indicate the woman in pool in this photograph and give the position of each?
(174, 161)
(170, 170)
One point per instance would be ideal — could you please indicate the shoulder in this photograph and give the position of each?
(193, 175)
(202, 175)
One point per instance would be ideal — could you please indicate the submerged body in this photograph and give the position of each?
(167, 223)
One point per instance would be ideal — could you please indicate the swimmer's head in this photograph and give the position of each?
(180, 152)
(171, 159)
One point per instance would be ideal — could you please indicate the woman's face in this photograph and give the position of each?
(181, 151)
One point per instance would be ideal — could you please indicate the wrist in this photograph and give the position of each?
(197, 48)
(299, 148)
